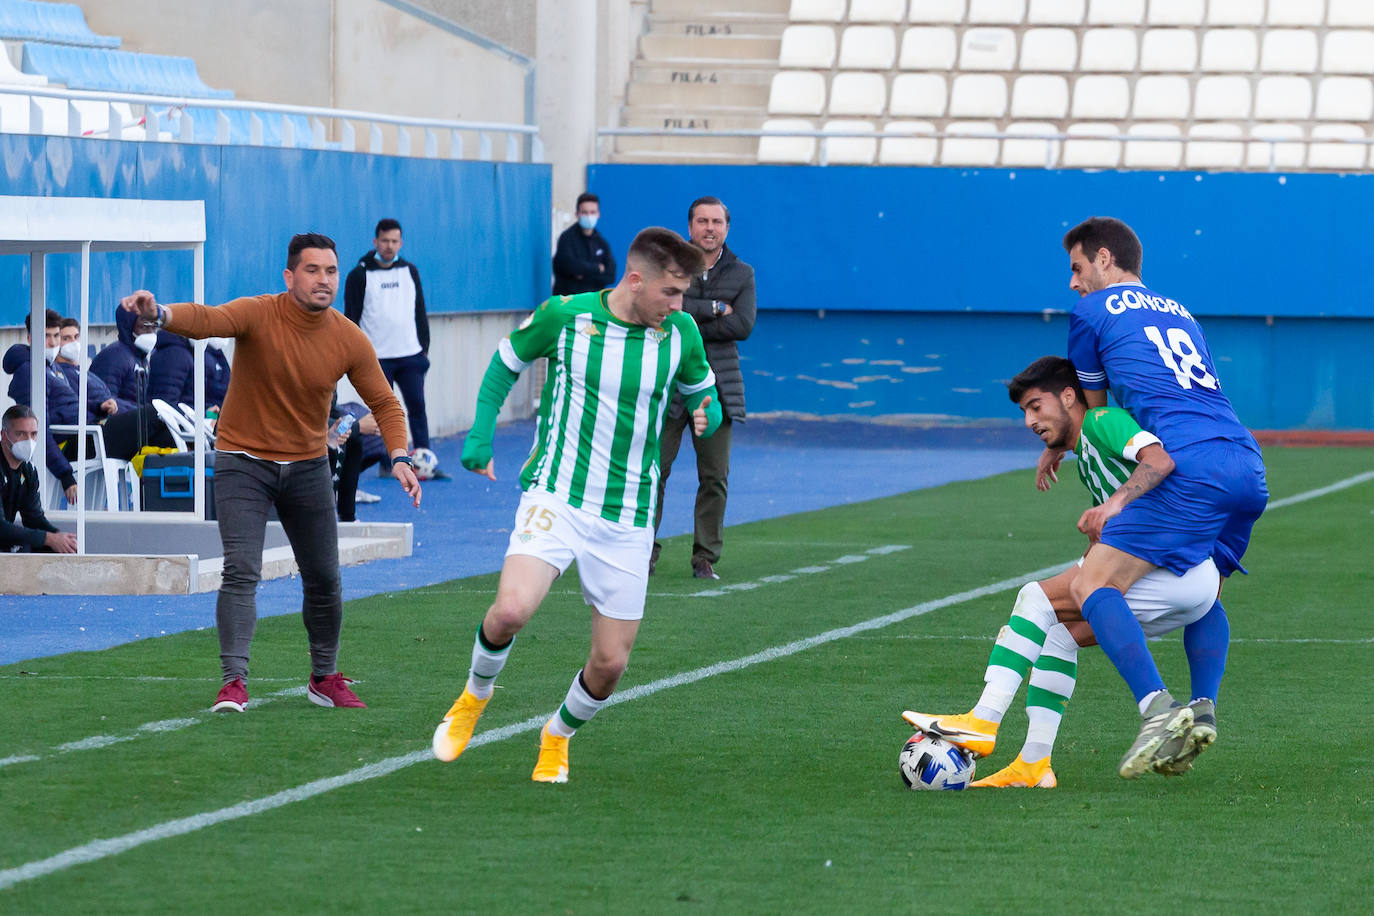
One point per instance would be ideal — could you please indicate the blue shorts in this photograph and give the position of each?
(1206, 507)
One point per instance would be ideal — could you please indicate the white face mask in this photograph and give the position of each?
(71, 351)
(23, 451)
(50, 353)
(146, 342)
(587, 221)
(216, 342)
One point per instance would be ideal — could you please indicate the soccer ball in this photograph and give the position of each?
(426, 463)
(928, 762)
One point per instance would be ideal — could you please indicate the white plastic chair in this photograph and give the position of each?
(189, 413)
(892, 11)
(978, 95)
(1161, 98)
(1091, 153)
(1101, 97)
(1040, 96)
(1056, 12)
(1335, 155)
(1153, 154)
(928, 48)
(1345, 98)
(918, 95)
(849, 150)
(1235, 12)
(1174, 12)
(937, 11)
(1294, 12)
(797, 92)
(996, 12)
(1169, 51)
(971, 150)
(868, 47)
(1116, 12)
(1282, 155)
(1051, 50)
(1349, 13)
(1217, 98)
(1108, 51)
(807, 47)
(177, 425)
(858, 94)
(787, 149)
(1229, 50)
(987, 49)
(816, 11)
(907, 150)
(1289, 51)
(1025, 152)
(1348, 51)
(110, 483)
(1214, 146)
(1283, 98)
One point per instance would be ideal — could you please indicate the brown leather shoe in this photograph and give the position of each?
(703, 569)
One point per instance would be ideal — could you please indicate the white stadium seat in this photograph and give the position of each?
(858, 94)
(1116, 12)
(797, 92)
(1283, 98)
(1173, 12)
(1162, 98)
(1348, 51)
(988, 49)
(1030, 152)
(1349, 12)
(1235, 12)
(1284, 155)
(1049, 49)
(1289, 51)
(898, 150)
(1218, 98)
(806, 46)
(787, 149)
(1345, 98)
(1153, 154)
(1214, 146)
(1091, 153)
(816, 11)
(891, 11)
(1229, 51)
(868, 47)
(971, 150)
(918, 95)
(11, 76)
(978, 95)
(937, 11)
(1169, 51)
(1101, 97)
(849, 150)
(1334, 154)
(1108, 51)
(996, 12)
(928, 48)
(1040, 96)
(1056, 12)
(1294, 12)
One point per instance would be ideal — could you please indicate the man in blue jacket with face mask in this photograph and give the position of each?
(583, 262)
(123, 365)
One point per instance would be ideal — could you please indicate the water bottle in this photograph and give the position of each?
(345, 426)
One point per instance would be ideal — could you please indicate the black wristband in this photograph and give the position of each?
(403, 459)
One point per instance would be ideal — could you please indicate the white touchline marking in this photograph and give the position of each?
(1323, 491)
(801, 571)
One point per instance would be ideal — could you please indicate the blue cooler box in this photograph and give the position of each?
(168, 483)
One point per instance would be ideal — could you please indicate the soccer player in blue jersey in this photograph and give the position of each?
(1151, 352)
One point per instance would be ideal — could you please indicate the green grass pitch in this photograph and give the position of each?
(768, 788)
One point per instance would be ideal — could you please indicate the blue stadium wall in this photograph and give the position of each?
(478, 231)
(897, 291)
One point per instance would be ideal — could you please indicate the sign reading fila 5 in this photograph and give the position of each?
(1188, 368)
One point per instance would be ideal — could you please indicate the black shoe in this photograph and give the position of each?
(702, 569)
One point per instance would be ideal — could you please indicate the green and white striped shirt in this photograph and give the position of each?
(1107, 449)
(601, 411)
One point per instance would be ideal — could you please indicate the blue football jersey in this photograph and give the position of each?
(1152, 353)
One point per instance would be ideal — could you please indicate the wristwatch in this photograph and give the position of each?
(717, 308)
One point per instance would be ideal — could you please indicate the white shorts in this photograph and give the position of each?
(1164, 602)
(612, 558)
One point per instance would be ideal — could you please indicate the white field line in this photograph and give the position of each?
(846, 560)
(1323, 491)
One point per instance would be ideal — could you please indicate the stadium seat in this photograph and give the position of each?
(1101, 97)
(1229, 51)
(978, 95)
(807, 46)
(918, 95)
(1169, 51)
(816, 11)
(1348, 51)
(1116, 12)
(975, 149)
(1108, 51)
(988, 49)
(1345, 98)
(1283, 155)
(858, 94)
(1334, 154)
(903, 150)
(944, 12)
(117, 71)
(1153, 154)
(9, 76)
(1173, 12)
(1235, 12)
(1056, 12)
(1349, 13)
(1030, 152)
(1289, 51)
(797, 92)
(890, 11)
(868, 47)
(1040, 96)
(1283, 98)
(1054, 50)
(1293, 12)
(996, 12)
(1162, 98)
(928, 48)
(1222, 97)
(787, 149)
(1214, 146)
(849, 150)
(53, 23)
(1090, 152)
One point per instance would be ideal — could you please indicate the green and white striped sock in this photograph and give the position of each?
(1051, 685)
(1018, 646)
(578, 707)
(487, 662)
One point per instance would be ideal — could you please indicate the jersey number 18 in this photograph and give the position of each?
(1181, 356)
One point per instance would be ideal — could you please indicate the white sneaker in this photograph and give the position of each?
(362, 496)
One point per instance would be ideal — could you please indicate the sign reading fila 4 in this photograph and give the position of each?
(928, 762)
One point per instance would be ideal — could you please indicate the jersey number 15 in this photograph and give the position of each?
(1181, 356)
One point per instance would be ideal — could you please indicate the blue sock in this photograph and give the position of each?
(1122, 640)
(1206, 640)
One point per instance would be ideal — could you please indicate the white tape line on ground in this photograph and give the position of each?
(102, 849)
(846, 560)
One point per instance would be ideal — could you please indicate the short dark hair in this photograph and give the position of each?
(587, 197)
(664, 248)
(303, 241)
(386, 225)
(70, 323)
(708, 201)
(17, 412)
(1048, 373)
(51, 319)
(1098, 232)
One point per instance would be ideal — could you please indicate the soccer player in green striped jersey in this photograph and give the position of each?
(615, 358)
(1117, 461)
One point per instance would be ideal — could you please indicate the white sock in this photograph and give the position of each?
(577, 709)
(1146, 700)
(1019, 644)
(486, 665)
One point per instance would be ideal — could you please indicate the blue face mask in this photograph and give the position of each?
(587, 221)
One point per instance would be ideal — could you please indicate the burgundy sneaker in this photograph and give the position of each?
(233, 697)
(332, 690)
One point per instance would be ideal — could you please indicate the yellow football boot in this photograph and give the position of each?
(454, 733)
(553, 758)
(975, 735)
(1020, 775)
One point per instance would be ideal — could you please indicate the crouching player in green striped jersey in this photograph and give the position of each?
(1117, 462)
(590, 483)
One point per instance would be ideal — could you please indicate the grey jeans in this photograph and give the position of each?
(246, 489)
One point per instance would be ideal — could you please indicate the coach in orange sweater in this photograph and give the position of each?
(291, 350)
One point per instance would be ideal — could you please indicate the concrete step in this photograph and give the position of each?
(638, 117)
(721, 48)
(744, 9)
(684, 158)
(651, 73)
(720, 27)
(697, 97)
(681, 146)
